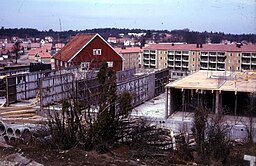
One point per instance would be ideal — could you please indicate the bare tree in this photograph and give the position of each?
(16, 49)
(211, 136)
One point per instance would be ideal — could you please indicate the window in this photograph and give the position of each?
(85, 65)
(193, 59)
(110, 64)
(161, 58)
(96, 51)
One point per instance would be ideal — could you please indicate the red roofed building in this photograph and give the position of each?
(40, 55)
(88, 51)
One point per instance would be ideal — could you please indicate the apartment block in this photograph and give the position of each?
(193, 57)
(132, 57)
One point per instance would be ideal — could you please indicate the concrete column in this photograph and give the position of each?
(170, 103)
(213, 102)
(166, 104)
(183, 100)
(217, 102)
(220, 102)
(235, 103)
(198, 98)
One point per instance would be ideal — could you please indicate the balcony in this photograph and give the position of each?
(170, 65)
(246, 55)
(221, 55)
(146, 57)
(204, 60)
(185, 59)
(221, 62)
(204, 67)
(185, 66)
(253, 55)
(146, 52)
(246, 62)
(152, 64)
(204, 54)
(170, 53)
(245, 68)
(212, 55)
(212, 67)
(178, 59)
(170, 57)
(185, 53)
(253, 62)
(178, 65)
(152, 58)
(153, 52)
(146, 62)
(177, 52)
(221, 68)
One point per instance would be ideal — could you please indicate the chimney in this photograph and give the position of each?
(238, 45)
(197, 45)
(201, 45)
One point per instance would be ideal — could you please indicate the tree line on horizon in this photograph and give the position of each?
(184, 35)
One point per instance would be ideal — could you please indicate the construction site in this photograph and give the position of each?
(28, 98)
(232, 94)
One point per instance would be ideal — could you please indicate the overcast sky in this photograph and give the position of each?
(229, 16)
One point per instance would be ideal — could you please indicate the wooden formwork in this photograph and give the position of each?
(56, 88)
(24, 86)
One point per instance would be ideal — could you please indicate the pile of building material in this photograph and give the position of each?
(13, 133)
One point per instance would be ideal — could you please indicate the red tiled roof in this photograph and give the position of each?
(205, 47)
(35, 45)
(73, 46)
(59, 45)
(128, 50)
(44, 55)
(5, 51)
(42, 52)
(47, 46)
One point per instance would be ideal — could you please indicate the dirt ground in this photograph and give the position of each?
(121, 155)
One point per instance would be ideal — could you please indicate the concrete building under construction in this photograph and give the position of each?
(232, 92)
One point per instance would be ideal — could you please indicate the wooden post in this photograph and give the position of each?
(7, 92)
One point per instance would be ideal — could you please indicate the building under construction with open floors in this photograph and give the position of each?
(232, 92)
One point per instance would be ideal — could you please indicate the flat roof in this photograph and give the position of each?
(218, 80)
(205, 47)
